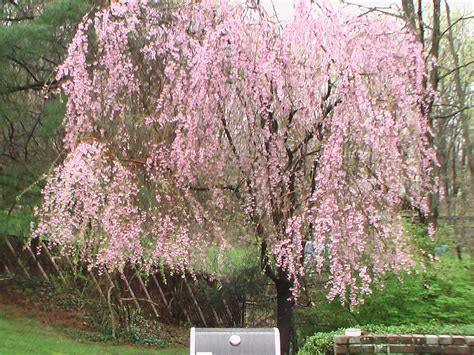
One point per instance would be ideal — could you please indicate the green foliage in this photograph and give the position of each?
(323, 316)
(34, 35)
(16, 223)
(73, 294)
(443, 292)
(55, 110)
(423, 328)
(42, 31)
(439, 289)
(238, 275)
(229, 261)
(140, 331)
(322, 343)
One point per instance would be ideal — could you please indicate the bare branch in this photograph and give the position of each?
(455, 113)
(369, 9)
(463, 18)
(449, 72)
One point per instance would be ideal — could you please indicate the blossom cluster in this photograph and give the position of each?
(312, 131)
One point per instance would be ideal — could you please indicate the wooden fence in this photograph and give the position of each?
(167, 298)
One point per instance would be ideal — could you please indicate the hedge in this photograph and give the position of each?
(322, 343)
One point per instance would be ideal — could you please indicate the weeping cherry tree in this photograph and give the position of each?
(310, 131)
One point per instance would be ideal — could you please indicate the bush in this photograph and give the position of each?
(322, 343)
(443, 293)
(438, 290)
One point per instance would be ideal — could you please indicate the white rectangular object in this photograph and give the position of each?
(353, 332)
(234, 341)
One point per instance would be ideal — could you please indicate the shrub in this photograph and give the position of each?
(438, 290)
(322, 343)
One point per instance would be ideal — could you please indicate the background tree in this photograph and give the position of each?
(34, 37)
(446, 37)
(307, 132)
(447, 46)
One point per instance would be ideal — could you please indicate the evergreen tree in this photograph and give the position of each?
(33, 40)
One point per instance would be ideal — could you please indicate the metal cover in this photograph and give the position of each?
(235, 341)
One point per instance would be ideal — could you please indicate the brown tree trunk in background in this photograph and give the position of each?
(467, 146)
(409, 11)
(443, 157)
(412, 18)
(421, 25)
(435, 39)
(434, 80)
(461, 97)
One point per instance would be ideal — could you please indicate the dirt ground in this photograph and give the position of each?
(40, 302)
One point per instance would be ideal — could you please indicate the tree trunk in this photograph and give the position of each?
(434, 81)
(284, 314)
(461, 98)
(409, 11)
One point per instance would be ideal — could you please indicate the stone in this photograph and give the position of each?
(380, 339)
(341, 339)
(354, 340)
(452, 349)
(458, 340)
(367, 339)
(419, 339)
(341, 349)
(431, 339)
(445, 340)
(393, 339)
(406, 339)
(381, 348)
(361, 349)
(399, 348)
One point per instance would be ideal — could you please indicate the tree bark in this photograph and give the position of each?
(461, 98)
(284, 314)
(409, 11)
(434, 81)
(284, 298)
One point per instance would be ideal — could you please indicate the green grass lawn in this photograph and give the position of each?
(28, 336)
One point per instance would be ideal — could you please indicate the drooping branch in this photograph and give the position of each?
(51, 84)
(287, 146)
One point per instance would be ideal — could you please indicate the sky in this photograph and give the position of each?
(284, 8)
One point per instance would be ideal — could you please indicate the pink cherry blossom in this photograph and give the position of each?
(180, 121)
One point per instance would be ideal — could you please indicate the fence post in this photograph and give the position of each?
(162, 294)
(195, 301)
(142, 284)
(131, 292)
(18, 260)
(52, 261)
(38, 264)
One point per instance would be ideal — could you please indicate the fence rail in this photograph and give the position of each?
(174, 298)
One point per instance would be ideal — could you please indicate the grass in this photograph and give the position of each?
(232, 259)
(19, 335)
(17, 223)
